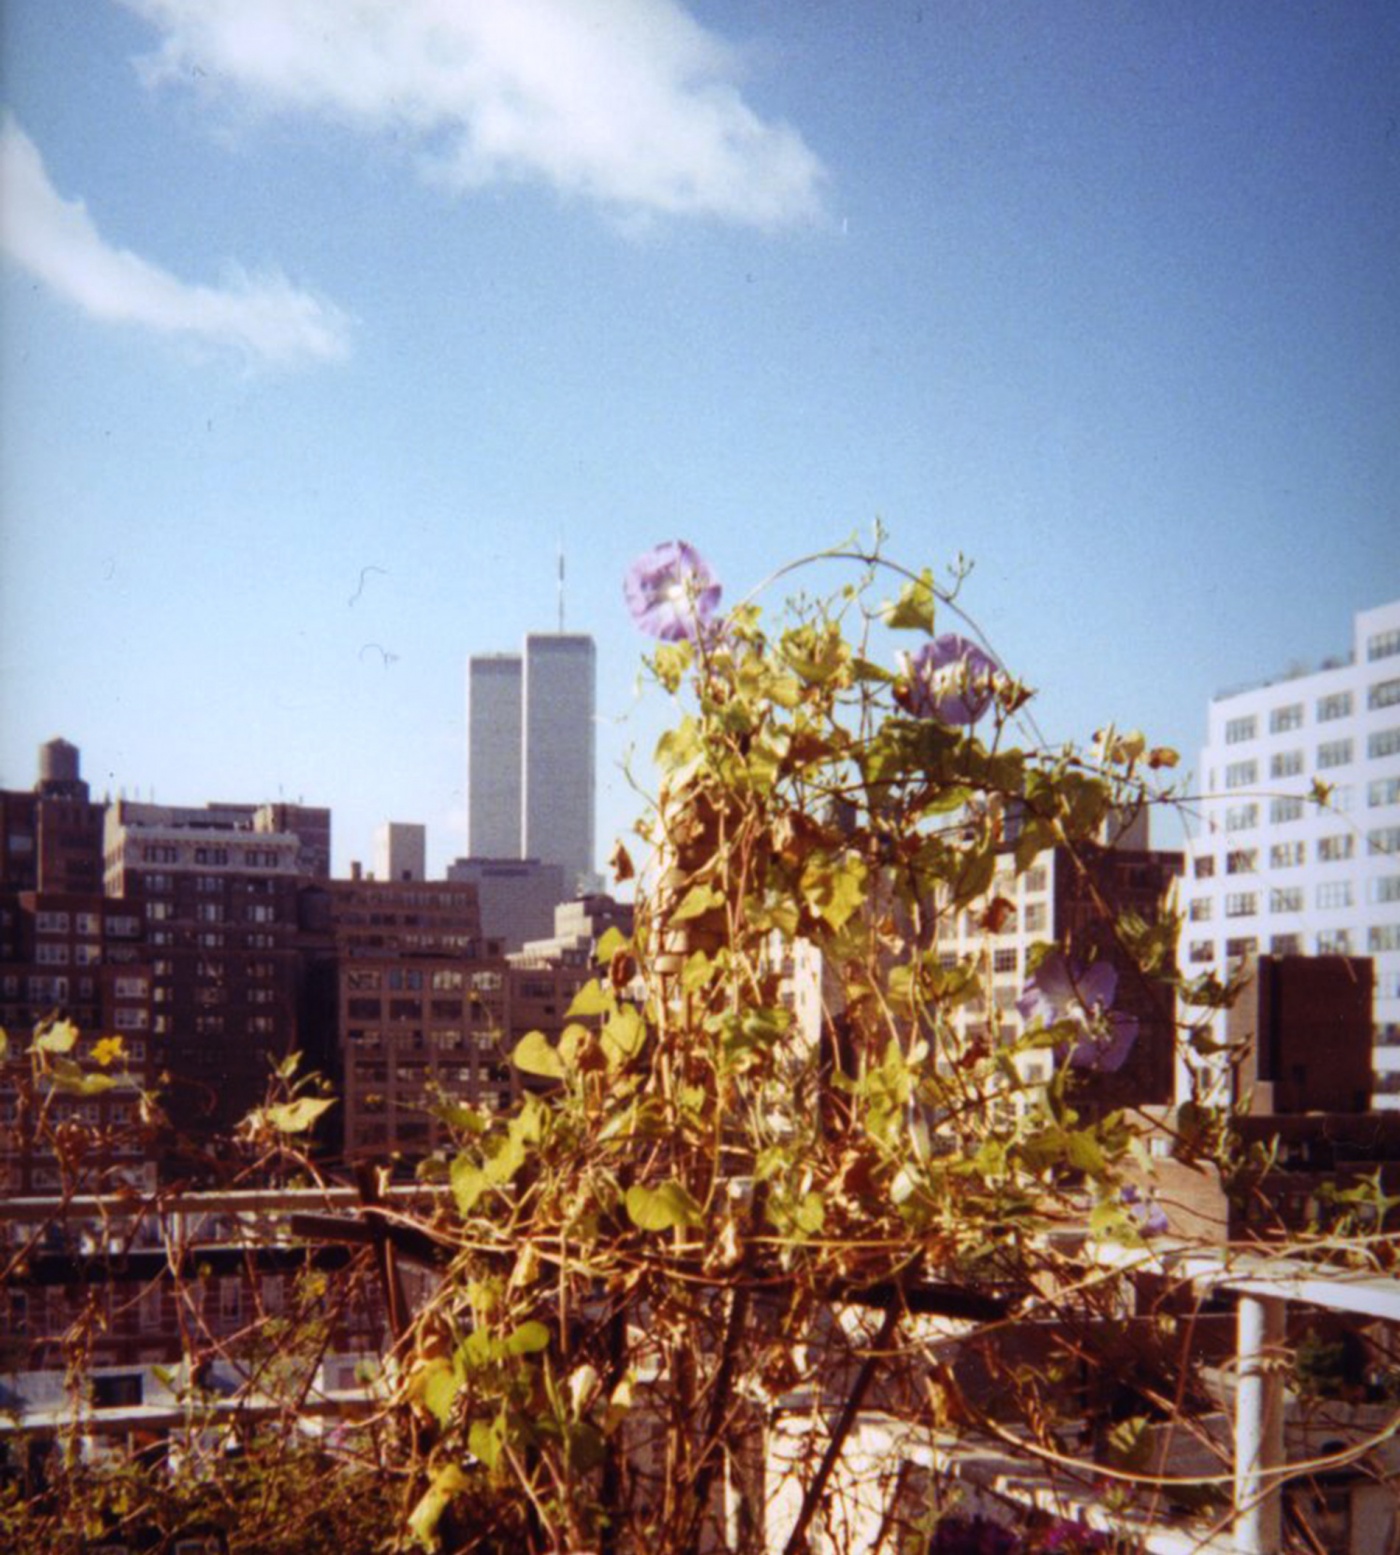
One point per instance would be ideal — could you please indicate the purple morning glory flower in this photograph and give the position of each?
(950, 679)
(671, 592)
(1151, 1218)
(1061, 991)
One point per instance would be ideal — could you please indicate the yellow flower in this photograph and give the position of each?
(108, 1051)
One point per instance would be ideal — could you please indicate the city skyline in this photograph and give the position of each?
(318, 341)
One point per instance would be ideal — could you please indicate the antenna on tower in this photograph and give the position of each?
(561, 588)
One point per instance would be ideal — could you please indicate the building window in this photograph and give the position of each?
(1386, 888)
(1334, 753)
(211, 855)
(158, 912)
(1004, 959)
(1383, 645)
(1384, 742)
(1285, 809)
(1241, 817)
(132, 988)
(1382, 937)
(51, 922)
(123, 927)
(1331, 850)
(1241, 904)
(1282, 719)
(51, 953)
(209, 912)
(1238, 949)
(1334, 942)
(1202, 950)
(87, 923)
(1285, 764)
(1241, 774)
(1242, 861)
(1036, 879)
(1286, 945)
(1383, 791)
(1336, 705)
(1385, 693)
(160, 853)
(1237, 730)
(1286, 899)
(1334, 893)
(1036, 917)
(1203, 867)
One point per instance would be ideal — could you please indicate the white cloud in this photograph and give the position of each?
(263, 317)
(627, 102)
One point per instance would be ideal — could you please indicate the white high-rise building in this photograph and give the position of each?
(494, 755)
(557, 757)
(1277, 871)
(531, 754)
(400, 851)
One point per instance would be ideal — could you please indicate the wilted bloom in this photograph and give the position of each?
(671, 591)
(949, 679)
(1059, 991)
(1151, 1218)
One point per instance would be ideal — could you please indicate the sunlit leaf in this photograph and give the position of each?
(591, 999)
(530, 1338)
(57, 1038)
(623, 1035)
(423, 1521)
(914, 609)
(533, 1054)
(295, 1117)
(662, 1208)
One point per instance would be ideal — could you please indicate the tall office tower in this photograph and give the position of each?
(400, 851)
(494, 755)
(1274, 872)
(558, 755)
(531, 754)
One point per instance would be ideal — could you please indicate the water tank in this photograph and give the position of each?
(58, 762)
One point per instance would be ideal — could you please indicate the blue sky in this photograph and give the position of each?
(323, 324)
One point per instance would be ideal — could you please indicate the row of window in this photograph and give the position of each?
(1327, 894)
(1287, 808)
(1326, 942)
(1332, 849)
(218, 856)
(1329, 754)
(1336, 704)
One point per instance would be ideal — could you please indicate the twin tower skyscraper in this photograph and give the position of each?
(531, 754)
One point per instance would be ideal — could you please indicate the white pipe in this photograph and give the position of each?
(1258, 1525)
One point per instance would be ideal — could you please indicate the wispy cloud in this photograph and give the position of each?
(629, 103)
(263, 317)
